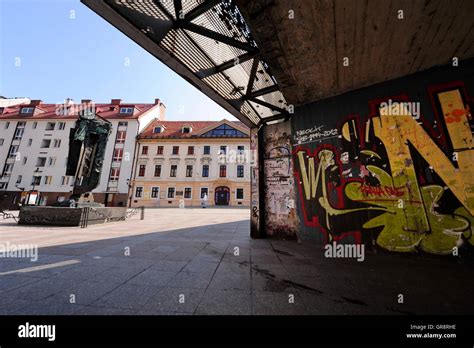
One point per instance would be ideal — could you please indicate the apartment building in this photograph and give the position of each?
(181, 163)
(34, 144)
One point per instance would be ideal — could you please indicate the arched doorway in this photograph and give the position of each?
(222, 195)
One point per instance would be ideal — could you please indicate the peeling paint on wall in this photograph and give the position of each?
(280, 210)
(254, 184)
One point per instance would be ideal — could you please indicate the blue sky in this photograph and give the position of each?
(45, 54)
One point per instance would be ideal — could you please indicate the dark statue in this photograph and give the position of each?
(87, 143)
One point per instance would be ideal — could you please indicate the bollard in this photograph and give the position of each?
(142, 212)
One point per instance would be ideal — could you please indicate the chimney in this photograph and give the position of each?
(116, 101)
(69, 101)
(86, 101)
(157, 101)
(36, 102)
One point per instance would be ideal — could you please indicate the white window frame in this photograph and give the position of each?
(26, 110)
(167, 192)
(151, 192)
(200, 192)
(135, 193)
(243, 194)
(126, 110)
(184, 192)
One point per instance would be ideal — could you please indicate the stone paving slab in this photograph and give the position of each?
(189, 266)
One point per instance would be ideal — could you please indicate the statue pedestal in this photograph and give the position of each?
(62, 216)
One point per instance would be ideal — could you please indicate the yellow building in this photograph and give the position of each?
(190, 163)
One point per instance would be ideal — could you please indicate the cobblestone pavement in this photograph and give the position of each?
(202, 261)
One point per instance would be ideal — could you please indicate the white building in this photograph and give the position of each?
(180, 162)
(4, 102)
(34, 144)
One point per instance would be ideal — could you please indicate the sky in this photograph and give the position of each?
(57, 49)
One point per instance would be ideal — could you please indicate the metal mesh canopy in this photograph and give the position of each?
(209, 44)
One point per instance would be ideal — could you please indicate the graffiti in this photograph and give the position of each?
(315, 133)
(396, 180)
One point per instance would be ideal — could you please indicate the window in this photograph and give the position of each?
(240, 149)
(175, 150)
(157, 170)
(141, 171)
(57, 143)
(155, 192)
(223, 150)
(126, 110)
(222, 171)
(187, 192)
(144, 150)
(204, 191)
(173, 170)
(123, 124)
(7, 125)
(8, 168)
(157, 130)
(66, 180)
(121, 137)
(13, 151)
(25, 159)
(19, 133)
(45, 143)
(118, 154)
(50, 126)
(190, 150)
(159, 150)
(1, 142)
(114, 174)
(239, 193)
(51, 161)
(21, 125)
(171, 192)
(189, 171)
(36, 180)
(207, 150)
(225, 130)
(26, 110)
(35, 124)
(19, 179)
(139, 192)
(186, 129)
(240, 171)
(41, 162)
(61, 125)
(205, 171)
(30, 142)
(48, 180)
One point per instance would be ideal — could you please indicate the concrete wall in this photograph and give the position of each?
(393, 176)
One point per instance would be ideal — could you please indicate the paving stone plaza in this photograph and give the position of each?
(203, 261)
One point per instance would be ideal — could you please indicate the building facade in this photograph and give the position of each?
(34, 144)
(192, 163)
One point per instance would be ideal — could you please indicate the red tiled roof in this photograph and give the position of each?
(173, 129)
(48, 111)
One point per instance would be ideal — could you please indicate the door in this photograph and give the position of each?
(222, 195)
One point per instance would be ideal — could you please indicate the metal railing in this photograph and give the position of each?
(85, 215)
